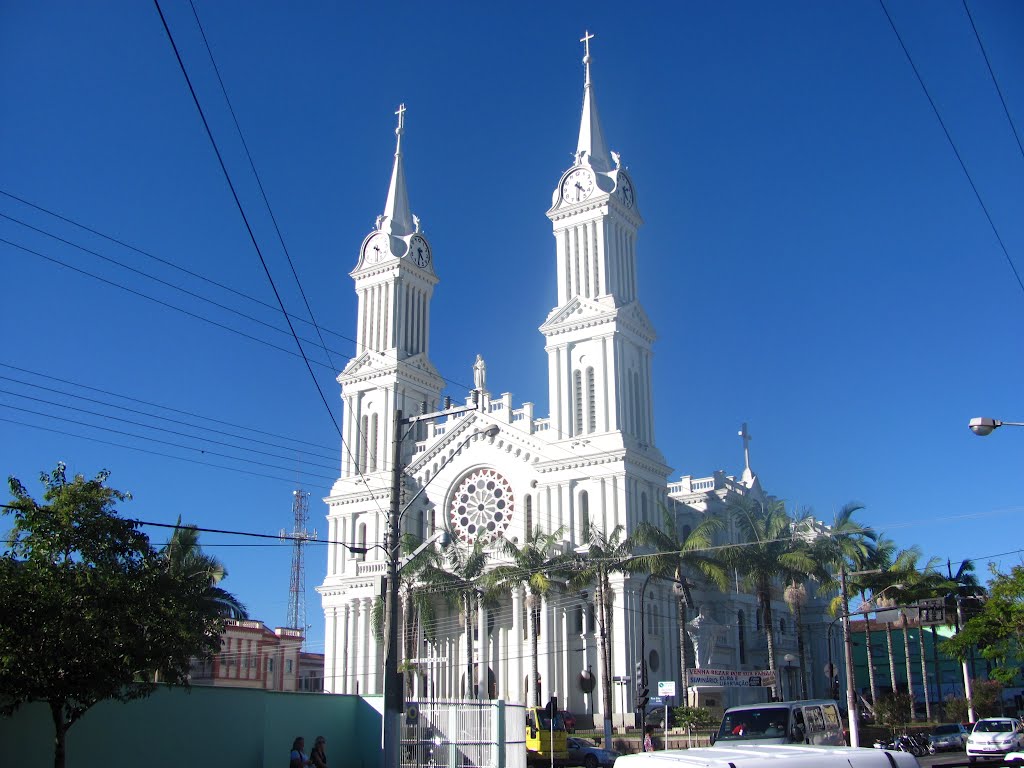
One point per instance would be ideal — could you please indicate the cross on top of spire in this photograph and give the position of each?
(587, 37)
(401, 119)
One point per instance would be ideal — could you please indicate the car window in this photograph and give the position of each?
(993, 726)
(815, 721)
(831, 713)
(941, 729)
(755, 723)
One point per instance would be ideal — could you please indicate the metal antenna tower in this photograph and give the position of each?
(299, 536)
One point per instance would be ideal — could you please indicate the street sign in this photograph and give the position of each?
(657, 701)
(666, 688)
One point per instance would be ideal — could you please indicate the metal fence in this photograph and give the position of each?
(463, 734)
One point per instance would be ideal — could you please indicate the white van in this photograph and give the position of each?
(770, 756)
(812, 721)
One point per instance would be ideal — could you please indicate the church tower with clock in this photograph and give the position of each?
(394, 280)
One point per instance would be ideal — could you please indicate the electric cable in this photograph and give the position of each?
(241, 211)
(952, 144)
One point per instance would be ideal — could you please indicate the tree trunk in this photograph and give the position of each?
(892, 656)
(60, 730)
(870, 657)
(766, 606)
(681, 609)
(801, 651)
(924, 675)
(910, 679)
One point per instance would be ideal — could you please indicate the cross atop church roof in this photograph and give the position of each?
(397, 220)
(591, 149)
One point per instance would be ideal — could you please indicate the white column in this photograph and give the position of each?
(482, 652)
(330, 648)
(353, 683)
(370, 644)
(514, 650)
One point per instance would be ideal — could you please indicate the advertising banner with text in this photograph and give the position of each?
(728, 678)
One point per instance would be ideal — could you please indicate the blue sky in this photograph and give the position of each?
(814, 259)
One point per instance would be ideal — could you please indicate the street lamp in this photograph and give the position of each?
(789, 658)
(983, 426)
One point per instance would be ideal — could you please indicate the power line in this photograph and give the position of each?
(145, 450)
(952, 144)
(157, 416)
(157, 405)
(992, 74)
(241, 211)
(157, 440)
(165, 283)
(259, 182)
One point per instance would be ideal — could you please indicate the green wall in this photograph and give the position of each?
(225, 727)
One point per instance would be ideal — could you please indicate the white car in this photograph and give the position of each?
(769, 756)
(995, 737)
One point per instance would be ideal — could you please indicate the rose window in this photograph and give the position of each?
(482, 506)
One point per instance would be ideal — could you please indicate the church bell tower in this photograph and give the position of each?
(598, 336)
(394, 280)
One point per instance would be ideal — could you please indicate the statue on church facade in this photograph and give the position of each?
(703, 633)
(480, 374)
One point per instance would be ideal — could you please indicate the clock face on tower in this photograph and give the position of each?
(626, 191)
(376, 249)
(578, 185)
(419, 251)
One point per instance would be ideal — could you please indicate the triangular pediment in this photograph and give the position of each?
(577, 310)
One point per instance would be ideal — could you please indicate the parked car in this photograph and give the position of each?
(949, 736)
(656, 715)
(995, 737)
(569, 719)
(589, 755)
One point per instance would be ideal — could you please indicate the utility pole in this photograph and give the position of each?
(393, 693)
(851, 694)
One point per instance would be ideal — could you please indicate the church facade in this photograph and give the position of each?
(492, 470)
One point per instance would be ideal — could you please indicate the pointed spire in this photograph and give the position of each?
(397, 219)
(591, 149)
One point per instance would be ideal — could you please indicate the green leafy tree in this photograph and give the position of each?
(680, 552)
(997, 627)
(894, 709)
(987, 696)
(91, 610)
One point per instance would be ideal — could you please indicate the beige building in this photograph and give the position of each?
(254, 656)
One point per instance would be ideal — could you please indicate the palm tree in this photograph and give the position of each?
(184, 556)
(679, 552)
(766, 551)
(532, 566)
(606, 553)
(463, 581)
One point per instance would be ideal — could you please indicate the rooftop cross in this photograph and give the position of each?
(401, 119)
(587, 37)
(746, 444)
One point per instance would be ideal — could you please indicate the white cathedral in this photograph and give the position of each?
(592, 460)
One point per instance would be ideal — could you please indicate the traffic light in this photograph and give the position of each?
(642, 692)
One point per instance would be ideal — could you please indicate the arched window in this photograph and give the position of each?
(528, 503)
(584, 516)
(577, 388)
(741, 630)
(361, 540)
(579, 620)
(782, 626)
(643, 507)
(591, 402)
(364, 429)
(373, 443)
(687, 530)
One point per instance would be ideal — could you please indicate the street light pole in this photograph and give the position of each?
(983, 426)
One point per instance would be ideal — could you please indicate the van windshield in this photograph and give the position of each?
(755, 723)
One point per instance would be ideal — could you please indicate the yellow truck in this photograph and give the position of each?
(545, 738)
